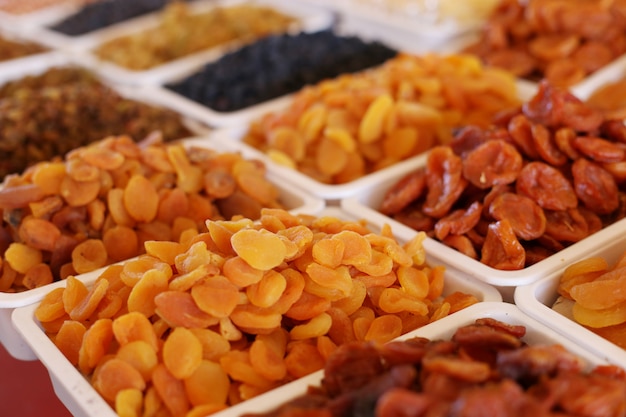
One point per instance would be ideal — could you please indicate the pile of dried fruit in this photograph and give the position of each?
(591, 293)
(289, 62)
(201, 323)
(539, 179)
(352, 125)
(104, 200)
(562, 41)
(182, 32)
(485, 369)
(47, 115)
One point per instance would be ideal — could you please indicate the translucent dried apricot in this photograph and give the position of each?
(96, 343)
(120, 242)
(129, 402)
(134, 326)
(171, 391)
(141, 355)
(69, 339)
(182, 353)
(141, 199)
(268, 290)
(142, 294)
(116, 375)
(261, 250)
(22, 257)
(179, 309)
(89, 255)
(216, 296)
(209, 384)
(240, 273)
(266, 361)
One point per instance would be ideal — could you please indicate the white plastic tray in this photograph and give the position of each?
(83, 401)
(366, 203)
(310, 19)
(537, 299)
(293, 198)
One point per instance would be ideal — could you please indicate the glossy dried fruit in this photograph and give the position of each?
(525, 216)
(444, 180)
(494, 162)
(502, 250)
(547, 186)
(594, 186)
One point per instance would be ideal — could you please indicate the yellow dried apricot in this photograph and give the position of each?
(208, 384)
(142, 295)
(129, 402)
(79, 193)
(96, 343)
(240, 273)
(141, 355)
(69, 339)
(134, 326)
(114, 376)
(182, 353)
(89, 255)
(179, 309)
(268, 290)
(22, 257)
(214, 345)
(261, 250)
(120, 243)
(268, 362)
(141, 199)
(216, 296)
(314, 328)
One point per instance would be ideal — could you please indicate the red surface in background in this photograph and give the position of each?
(26, 390)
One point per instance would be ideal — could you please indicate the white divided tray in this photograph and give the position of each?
(293, 198)
(82, 400)
(311, 18)
(366, 203)
(537, 299)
